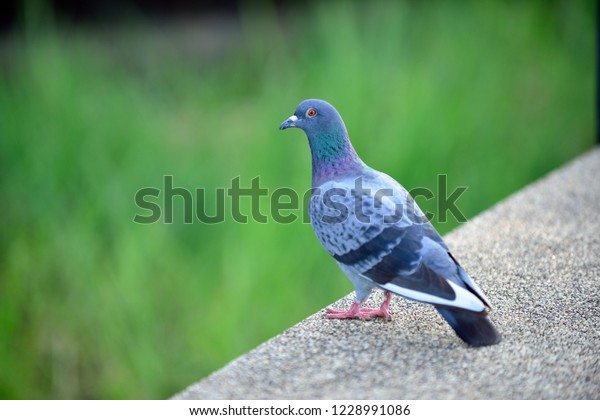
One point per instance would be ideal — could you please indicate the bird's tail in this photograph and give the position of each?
(473, 328)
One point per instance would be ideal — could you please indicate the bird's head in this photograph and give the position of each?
(332, 153)
(316, 117)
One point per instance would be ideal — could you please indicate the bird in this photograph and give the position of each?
(379, 236)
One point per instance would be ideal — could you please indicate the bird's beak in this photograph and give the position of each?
(290, 122)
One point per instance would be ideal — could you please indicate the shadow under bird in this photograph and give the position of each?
(379, 236)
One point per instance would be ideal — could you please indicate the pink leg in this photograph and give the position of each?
(357, 311)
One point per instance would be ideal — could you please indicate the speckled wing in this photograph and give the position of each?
(370, 210)
(347, 212)
(375, 230)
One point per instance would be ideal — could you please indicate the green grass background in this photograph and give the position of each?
(92, 305)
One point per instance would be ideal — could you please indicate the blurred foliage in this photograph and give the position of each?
(92, 305)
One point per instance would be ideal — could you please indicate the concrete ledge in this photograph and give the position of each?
(537, 257)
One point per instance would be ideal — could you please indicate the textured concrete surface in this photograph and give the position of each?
(537, 257)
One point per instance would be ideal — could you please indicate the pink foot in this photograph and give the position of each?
(356, 311)
(384, 310)
(381, 313)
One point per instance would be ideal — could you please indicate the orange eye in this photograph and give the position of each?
(311, 112)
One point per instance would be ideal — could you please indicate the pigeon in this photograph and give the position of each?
(379, 236)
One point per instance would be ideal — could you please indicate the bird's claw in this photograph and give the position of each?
(377, 313)
(358, 313)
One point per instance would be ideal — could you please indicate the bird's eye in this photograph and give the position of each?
(311, 112)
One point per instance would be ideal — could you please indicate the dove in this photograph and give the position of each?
(379, 236)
